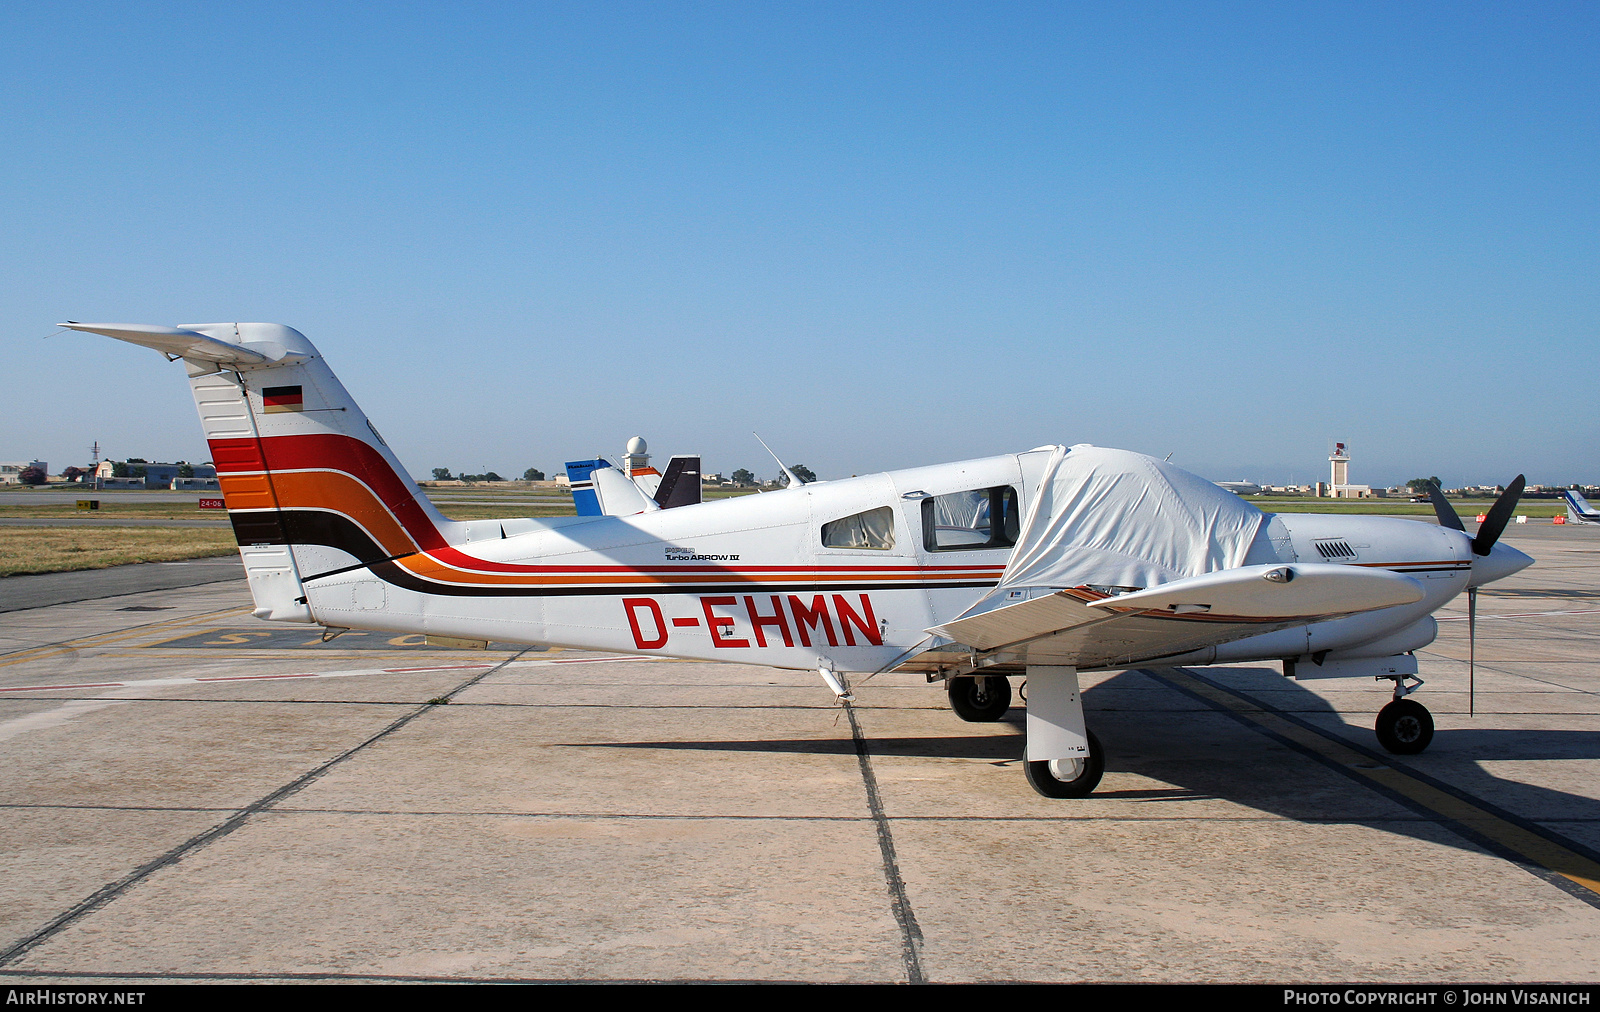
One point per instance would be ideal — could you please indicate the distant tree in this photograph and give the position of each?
(491, 476)
(73, 473)
(137, 460)
(185, 470)
(32, 476)
(119, 469)
(533, 474)
(442, 474)
(1420, 485)
(803, 472)
(743, 478)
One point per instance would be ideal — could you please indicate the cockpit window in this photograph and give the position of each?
(980, 518)
(872, 529)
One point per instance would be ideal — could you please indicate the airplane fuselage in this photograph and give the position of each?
(750, 579)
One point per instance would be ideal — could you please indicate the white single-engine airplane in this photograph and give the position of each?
(1043, 563)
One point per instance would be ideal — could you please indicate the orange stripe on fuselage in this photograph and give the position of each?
(428, 566)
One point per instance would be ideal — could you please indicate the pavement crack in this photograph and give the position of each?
(900, 904)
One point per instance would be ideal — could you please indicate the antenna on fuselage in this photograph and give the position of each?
(795, 480)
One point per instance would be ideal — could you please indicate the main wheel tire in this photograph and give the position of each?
(1404, 727)
(980, 700)
(1068, 778)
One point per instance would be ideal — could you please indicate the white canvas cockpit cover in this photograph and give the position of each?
(1121, 519)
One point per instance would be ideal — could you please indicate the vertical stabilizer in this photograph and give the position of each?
(309, 484)
(680, 486)
(1578, 509)
(580, 478)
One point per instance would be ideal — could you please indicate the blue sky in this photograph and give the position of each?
(882, 235)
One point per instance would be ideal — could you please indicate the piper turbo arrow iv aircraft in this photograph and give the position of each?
(1038, 564)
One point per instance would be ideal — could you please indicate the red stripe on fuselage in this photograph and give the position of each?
(361, 461)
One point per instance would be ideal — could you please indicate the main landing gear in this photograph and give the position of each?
(980, 699)
(1404, 727)
(1068, 778)
(1063, 758)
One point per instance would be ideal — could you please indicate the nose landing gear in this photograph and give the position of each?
(1404, 727)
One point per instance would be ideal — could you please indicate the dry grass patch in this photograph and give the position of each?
(60, 549)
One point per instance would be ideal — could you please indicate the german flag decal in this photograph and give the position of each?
(276, 399)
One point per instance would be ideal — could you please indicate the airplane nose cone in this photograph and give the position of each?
(1501, 562)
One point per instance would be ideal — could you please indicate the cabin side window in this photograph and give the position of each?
(872, 529)
(979, 518)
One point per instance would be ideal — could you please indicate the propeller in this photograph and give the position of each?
(1448, 517)
(1494, 525)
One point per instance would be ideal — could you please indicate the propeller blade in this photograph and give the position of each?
(1448, 517)
(1499, 515)
(1472, 651)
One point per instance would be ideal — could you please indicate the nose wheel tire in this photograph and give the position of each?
(980, 700)
(1068, 778)
(1404, 727)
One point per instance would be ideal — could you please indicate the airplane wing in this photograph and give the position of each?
(1090, 628)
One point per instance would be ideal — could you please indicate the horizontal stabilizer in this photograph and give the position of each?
(235, 345)
(1303, 590)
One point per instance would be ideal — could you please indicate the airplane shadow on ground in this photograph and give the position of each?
(1154, 731)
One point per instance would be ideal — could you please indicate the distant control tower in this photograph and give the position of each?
(1341, 466)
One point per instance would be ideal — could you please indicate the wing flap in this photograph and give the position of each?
(1022, 622)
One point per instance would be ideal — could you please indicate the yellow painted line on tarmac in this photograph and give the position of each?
(1534, 848)
(101, 639)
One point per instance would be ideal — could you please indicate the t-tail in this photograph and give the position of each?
(1578, 509)
(310, 486)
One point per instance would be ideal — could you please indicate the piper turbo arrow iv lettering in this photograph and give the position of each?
(1038, 564)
